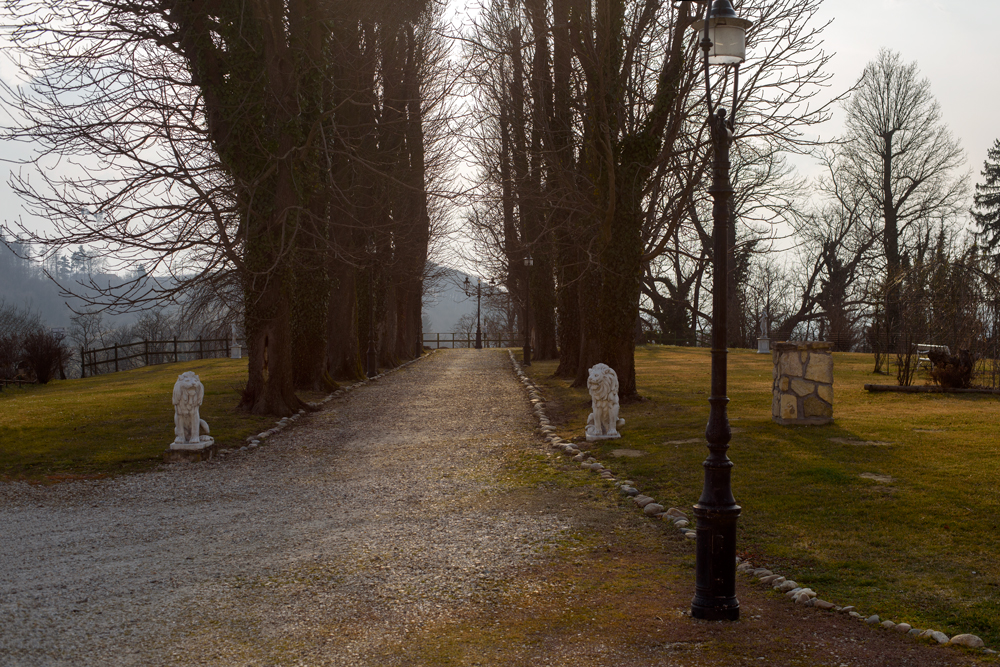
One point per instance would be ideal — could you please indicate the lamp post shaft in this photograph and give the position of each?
(717, 511)
(479, 332)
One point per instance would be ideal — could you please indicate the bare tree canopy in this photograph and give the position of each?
(249, 152)
(900, 157)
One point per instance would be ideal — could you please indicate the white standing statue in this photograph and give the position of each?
(603, 422)
(188, 424)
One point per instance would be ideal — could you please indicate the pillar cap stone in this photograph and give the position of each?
(802, 345)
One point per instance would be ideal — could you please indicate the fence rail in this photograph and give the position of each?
(452, 340)
(152, 352)
(20, 383)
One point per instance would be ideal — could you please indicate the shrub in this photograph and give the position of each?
(10, 355)
(43, 354)
(952, 371)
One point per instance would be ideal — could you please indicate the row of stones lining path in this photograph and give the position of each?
(418, 520)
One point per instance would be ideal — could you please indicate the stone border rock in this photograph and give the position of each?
(798, 594)
(808, 597)
(254, 441)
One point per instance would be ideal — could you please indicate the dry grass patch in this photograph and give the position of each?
(908, 530)
(121, 422)
(618, 593)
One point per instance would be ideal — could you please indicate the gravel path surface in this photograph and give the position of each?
(364, 519)
(419, 521)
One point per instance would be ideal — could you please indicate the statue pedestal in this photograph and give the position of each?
(595, 438)
(191, 452)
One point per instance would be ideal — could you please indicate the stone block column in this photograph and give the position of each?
(803, 383)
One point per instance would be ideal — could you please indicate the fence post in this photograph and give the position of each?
(437, 346)
(201, 353)
(175, 349)
(83, 362)
(145, 344)
(116, 357)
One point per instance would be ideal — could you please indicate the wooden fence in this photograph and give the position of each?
(448, 340)
(149, 353)
(15, 382)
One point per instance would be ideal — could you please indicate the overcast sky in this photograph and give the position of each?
(955, 45)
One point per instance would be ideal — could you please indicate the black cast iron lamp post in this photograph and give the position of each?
(723, 43)
(479, 296)
(528, 263)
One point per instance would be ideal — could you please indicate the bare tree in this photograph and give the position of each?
(88, 328)
(900, 154)
(466, 328)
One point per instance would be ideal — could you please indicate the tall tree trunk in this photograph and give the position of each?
(568, 304)
(543, 288)
(268, 297)
(569, 260)
(251, 110)
(618, 304)
(311, 284)
(414, 227)
(620, 164)
(343, 358)
(890, 236)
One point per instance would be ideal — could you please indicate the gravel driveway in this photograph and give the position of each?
(418, 521)
(367, 517)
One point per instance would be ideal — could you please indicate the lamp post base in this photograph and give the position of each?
(720, 612)
(715, 586)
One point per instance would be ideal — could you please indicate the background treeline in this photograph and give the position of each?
(271, 160)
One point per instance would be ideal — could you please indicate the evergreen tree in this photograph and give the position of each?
(986, 208)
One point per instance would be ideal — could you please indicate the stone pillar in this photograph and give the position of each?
(803, 383)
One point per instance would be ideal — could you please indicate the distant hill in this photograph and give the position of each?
(23, 283)
(445, 301)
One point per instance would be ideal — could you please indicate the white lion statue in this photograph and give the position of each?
(188, 394)
(603, 422)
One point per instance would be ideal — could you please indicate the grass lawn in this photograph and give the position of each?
(893, 508)
(119, 422)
